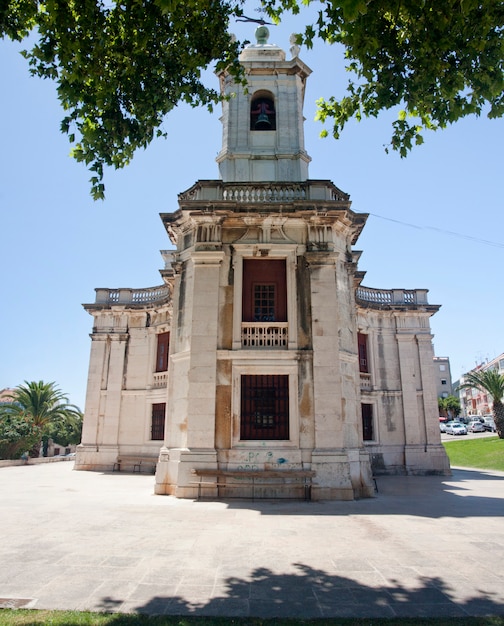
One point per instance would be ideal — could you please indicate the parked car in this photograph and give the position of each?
(476, 427)
(489, 424)
(455, 428)
(442, 426)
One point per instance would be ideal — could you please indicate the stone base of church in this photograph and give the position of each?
(95, 458)
(424, 460)
(342, 475)
(173, 471)
(412, 460)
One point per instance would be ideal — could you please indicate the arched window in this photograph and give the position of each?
(262, 113)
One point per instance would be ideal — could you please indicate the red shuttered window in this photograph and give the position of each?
(163, 349)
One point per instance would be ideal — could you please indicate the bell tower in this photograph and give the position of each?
(263, 138)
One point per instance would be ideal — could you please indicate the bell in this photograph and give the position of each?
(263, 122)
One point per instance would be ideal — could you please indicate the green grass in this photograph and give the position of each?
(23, 617)
(487, 453)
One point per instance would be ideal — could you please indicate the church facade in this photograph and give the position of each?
(262, 352)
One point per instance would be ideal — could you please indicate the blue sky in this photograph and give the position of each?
(436, 218)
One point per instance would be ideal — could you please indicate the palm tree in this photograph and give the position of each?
(491, 382)
(42, 405)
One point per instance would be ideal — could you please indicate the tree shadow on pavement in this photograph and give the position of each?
(311, 593)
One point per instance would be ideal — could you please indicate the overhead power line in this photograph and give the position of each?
(485, 242)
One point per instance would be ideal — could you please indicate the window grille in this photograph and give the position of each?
(367, 422)
(264, 407)
(264, 303)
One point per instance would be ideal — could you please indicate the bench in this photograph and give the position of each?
(254, 478)
(136, 462)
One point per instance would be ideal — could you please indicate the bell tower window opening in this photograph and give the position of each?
(262, 113)
(264, 407)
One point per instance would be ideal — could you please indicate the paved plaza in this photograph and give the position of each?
(425, 546)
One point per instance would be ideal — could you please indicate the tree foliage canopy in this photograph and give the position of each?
(37, 409)
(120, 67)
(17, 435)
(449, 405)
(439, 61)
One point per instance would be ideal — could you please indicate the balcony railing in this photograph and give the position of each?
(392, 296)
(132, 296)
(270, 335)
(160, 380)
(264, 192)
(365, 382)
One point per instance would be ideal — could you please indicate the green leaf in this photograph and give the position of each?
(120, 67)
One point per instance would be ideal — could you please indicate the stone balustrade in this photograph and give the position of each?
(366, 295)
(160, 380)
(264, 193)
(132, 296)
(365, 382)
(269, 335)
(391, 297)
(267, 192)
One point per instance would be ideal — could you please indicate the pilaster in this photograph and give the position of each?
(97, 362)
(429, 396)
(100, 436)
(190, 440)
(112, 408)
(326, 358)
(406, 347)
(203, 352)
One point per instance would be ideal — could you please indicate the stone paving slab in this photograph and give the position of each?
(424, 547)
